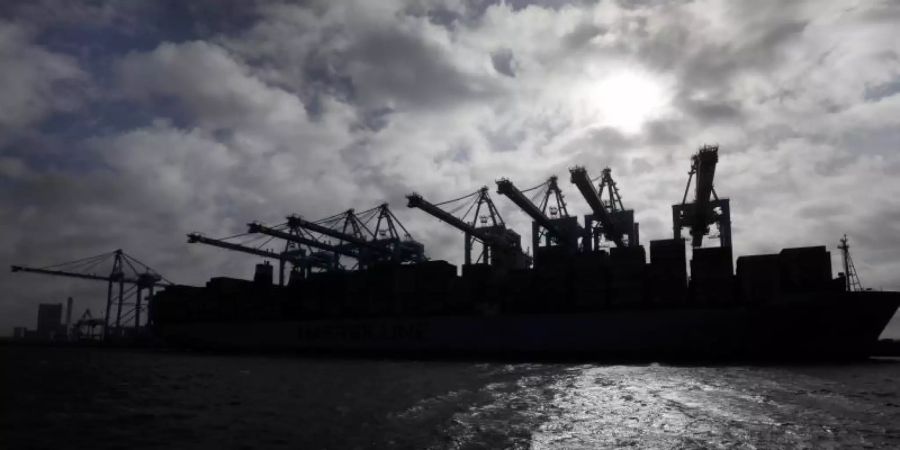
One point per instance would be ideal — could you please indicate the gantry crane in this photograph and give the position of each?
(502, 247)
(703, 211)
(384, 244)
(556, 230)
(387, 234)
(355, 239)
(296, 236)
(610, 221)
(293, 254)
(621, 217)
(353, 233)
(125, 271)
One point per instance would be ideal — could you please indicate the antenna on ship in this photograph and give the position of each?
(851, 279)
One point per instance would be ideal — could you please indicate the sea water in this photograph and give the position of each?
(89, 398)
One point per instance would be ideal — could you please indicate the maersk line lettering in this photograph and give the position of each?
(362, 331)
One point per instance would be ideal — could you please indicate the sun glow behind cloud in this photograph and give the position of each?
(624, 99)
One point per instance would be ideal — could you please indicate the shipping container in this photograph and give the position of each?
(668, 272)
(712, 276)
(805, 269)
(627, 282)
(711, 263)
(758, 278)
(718, 291)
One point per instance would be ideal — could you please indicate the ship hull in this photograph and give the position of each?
(824, 326)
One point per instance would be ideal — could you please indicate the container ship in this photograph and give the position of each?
(357, 283)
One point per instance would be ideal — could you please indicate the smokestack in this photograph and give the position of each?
(68, 316)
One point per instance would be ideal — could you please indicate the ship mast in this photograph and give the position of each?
(851, 278)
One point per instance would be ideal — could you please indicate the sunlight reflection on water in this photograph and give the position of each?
(690, 407)
(672, 407)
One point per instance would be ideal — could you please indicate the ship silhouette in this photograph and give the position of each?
(588, 291)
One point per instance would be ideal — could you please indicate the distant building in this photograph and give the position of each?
(49, 323)
(19, 332)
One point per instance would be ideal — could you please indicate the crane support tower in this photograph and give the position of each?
(501, 246)
(554, 233)
(609, 220)
(621, 217)
(403, 248)
(703, 211)
(126, 270)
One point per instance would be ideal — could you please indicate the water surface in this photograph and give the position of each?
(101, 398)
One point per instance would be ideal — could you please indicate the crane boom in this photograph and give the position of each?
(581, 180)
(198, 238)
(297, 221)
(507, 188)
(341, 250)
(704, 164)
(143, 281)
(416, 201)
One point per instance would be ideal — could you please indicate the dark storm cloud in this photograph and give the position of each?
(358, 60)
(469, 12)
(582, 34)
(664, 132)
(322, 78)
(880, 91)
(128, 124)
(35, 82)
(450, 16)
(711, 68)
(638, 4)
(504, 62)
(711, 110)
(877, 141)
(376, 119)
(398, 67)
(97, 30)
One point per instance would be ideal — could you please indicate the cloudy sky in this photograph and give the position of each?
(128, 124)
